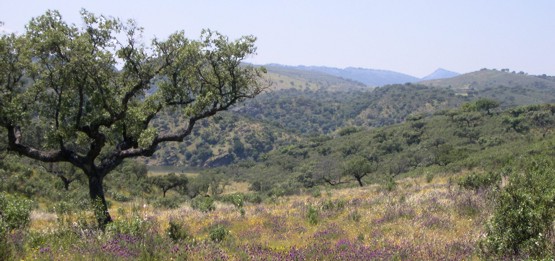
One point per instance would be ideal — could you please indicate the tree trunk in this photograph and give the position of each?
(359, 179)
(96, 192)
(66, 182)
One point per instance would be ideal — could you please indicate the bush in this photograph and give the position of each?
(312, 215)
(479, 181)
(168, 202)
(218, 233)
(522, 223)
(135, 226)
(316, 192)
(254, 198)
(204, 204)
(120, 197)
(389, 184)
(177, 231)
(237, 199)
(347, 131)
(15, 212)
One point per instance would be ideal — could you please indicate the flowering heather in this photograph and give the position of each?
(121, 245)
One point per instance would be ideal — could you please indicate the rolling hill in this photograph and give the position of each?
(304, 104)
(370, 77)
(510, 88)
(285, 77)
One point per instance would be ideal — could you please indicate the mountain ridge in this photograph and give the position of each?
(366, 76)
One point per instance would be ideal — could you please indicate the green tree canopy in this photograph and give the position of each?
(358, 168)
(88, 95)
(170, 181)
(487, 105)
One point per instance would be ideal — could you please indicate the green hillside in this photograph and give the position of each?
(283, 77)
(221, 140)
(510, 88)
(329, 104)
(450, 141)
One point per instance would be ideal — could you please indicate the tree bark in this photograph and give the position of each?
(96, 192)
(359, 179)
(66, 182)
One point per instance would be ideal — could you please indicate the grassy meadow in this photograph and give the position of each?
(417, 219)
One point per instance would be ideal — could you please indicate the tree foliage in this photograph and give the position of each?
(358, 168)
(522, 223)
(170, 181)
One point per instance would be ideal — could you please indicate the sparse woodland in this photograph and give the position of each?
(313, 168)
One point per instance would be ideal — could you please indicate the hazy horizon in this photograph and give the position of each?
(410, 37)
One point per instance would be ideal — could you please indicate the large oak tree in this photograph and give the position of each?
(88, 94)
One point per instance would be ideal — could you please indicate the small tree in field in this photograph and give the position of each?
(88, 95)
(170, 181)
(358, 168)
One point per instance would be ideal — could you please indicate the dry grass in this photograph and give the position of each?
(418, 220)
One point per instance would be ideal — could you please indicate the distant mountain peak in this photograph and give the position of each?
(440, 73)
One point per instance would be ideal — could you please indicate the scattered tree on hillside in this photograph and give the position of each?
(67, 173)
(197, 186)
(543, 120)
(467, 119)
(93, 91)
(170, 181)
(327, 170)
(487, 105)
(358, 168)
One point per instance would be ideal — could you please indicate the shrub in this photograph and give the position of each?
(204, 204)
(236, 199)
(347, 131)
(479, 181)
(120, 197)
(15, 212)
(390, 183)
(218, 233)
(134, 226)
(177, 231)
(168, 202)
(254, 198)
(316, 192)
(312, 215)
(522, 223)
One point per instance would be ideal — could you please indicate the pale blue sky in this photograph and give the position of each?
(413, 37)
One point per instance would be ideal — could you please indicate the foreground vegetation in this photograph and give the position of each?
(419, 219)
(469, 215)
